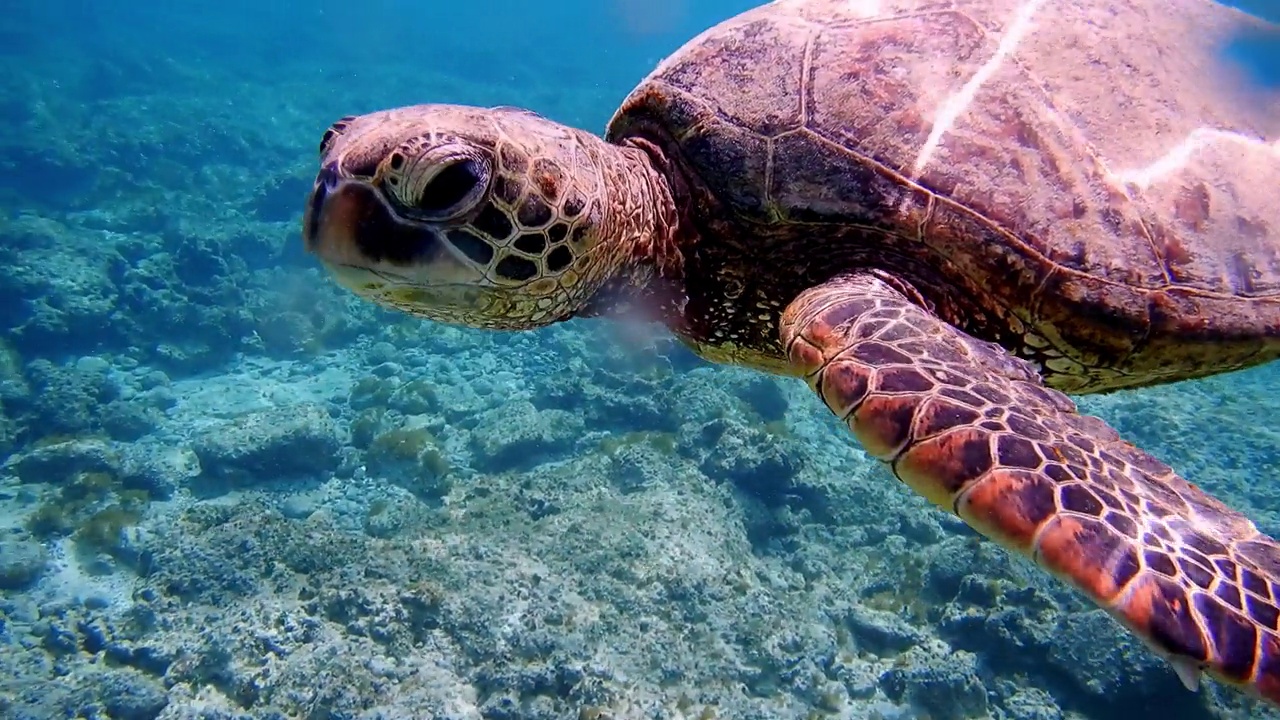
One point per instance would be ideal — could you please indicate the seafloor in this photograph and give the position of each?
(232, 491)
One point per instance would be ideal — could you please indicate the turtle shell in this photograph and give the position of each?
(1092, 184)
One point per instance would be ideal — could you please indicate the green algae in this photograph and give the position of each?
(412, 445)
(416, 397)
(93, 508)
(365, 427)
(403, 443)
(371, 391)
(377, 507)
(103, 531)
(663, 442)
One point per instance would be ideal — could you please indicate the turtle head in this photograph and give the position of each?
(491, 218)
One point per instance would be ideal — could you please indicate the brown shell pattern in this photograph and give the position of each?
(1091, 182)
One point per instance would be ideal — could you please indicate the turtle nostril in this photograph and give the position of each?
(328, 176)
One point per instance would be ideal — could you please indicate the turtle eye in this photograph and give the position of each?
(453, 189)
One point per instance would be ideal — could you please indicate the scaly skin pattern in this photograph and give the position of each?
(975, 431)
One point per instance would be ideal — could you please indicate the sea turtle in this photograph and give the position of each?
(943, 215)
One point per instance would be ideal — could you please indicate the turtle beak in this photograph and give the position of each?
(349, 225)
(348, 222)
(339, 214)
(326, 182)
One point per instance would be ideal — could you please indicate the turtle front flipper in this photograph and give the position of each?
(974, 430)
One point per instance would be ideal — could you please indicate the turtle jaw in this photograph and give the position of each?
(460, 305)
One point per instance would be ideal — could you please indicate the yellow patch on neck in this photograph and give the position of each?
(731, 354)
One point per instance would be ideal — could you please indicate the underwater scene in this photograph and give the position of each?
(287, 431)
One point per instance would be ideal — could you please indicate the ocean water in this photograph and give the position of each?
(231, 489)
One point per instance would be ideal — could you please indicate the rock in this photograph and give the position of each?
(944, 686)
(129, 694)
(637, 466)
(126, 421)
(766, 398)
(22, 561)
(269, 444)
(879, 632)
(520, 437)
(68, 399)
(1106, 662)
(298, 507)
(759, 464)
(1031, 704)
(158, 469)
(381, 352)
(57, 463)
(153, 379)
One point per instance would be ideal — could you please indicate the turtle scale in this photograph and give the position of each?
(808, 132)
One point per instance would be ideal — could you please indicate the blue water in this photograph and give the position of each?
(229, 489)
(1259, 52)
